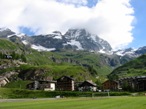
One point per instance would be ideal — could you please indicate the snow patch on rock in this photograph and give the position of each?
(76, 43)
(41, 48)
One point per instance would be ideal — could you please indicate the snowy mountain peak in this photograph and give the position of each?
(141, 50)
(75, 33)
(130, 52)
(57, 33)
(88, 41)
(4, 29)
(5, 32)
(20, 35)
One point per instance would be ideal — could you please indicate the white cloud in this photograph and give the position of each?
(76, 2)
(109, 19)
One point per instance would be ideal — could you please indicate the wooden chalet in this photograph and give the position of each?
(110, 85)
(137, 83)
(65, 83)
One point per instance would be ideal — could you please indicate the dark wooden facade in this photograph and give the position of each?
(110, 85)
(65, 83)
(137, 83)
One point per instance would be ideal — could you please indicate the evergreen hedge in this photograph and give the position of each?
(19, 93)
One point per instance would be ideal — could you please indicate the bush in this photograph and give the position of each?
(19, 93)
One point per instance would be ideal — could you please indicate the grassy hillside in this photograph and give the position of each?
(56, 71)
(7, 45)
(135, 67)
(79, 64)
(20, 84)
(38, 58)
(99, 62)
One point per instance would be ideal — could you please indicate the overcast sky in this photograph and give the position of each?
(113, 20)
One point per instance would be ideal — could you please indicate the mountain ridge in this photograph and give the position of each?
(73, 39)
(76, 39)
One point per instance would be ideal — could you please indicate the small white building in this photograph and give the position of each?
(3, 81)
(51, 88)
(42, 85)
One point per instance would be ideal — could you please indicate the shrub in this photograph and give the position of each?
(19, 93)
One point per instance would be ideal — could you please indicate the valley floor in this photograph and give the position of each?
(76, 103)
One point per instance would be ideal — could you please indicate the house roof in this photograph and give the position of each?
(65, 77)
(140, 77)
(3, 78)
(47, 81)
(42, 81)
(110, 81)
(132, 78)
(88, 82)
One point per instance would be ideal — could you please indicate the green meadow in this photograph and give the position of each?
(76, 103)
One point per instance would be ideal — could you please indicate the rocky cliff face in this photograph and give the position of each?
(5, 32)
(130, 52)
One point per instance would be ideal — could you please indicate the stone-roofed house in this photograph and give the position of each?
(87, 85)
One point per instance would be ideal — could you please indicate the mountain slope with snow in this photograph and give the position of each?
(88, 41)
(73, 39)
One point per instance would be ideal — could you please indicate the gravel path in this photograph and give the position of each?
(27, 99)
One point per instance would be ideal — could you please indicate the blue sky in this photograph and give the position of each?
(26, 31)
(139, 31)
(120, 22)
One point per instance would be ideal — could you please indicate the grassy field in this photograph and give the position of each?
(76, 103)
